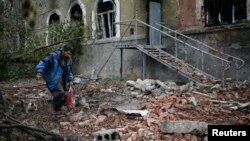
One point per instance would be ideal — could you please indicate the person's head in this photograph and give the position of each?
(67, 50)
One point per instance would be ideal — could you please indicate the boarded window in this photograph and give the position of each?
(106, 19)
(218, 12)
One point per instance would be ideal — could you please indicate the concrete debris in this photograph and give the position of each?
(149, 86)
(42, 93)
(84, 123)
(137, 110)
(139, 81)
(157, 92)
(145, 85)
(130, 83)
(241, 106)
(187, 87)
(83, 102)
(76, 117)
(183, 126)
(100, 119)
(199, 93)
(106, 90)
(31, 107)
(215, 87)
(55, 131)
(161, 84)
(78, 80)
(65, 123)
(192, 100)
(107, 135)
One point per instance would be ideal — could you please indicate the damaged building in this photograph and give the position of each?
(180, 62)
(189, 38)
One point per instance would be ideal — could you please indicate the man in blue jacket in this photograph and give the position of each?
(56, 70)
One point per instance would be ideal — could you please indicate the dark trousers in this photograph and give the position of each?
(58, 94)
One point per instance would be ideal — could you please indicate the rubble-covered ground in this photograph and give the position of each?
(137, 110)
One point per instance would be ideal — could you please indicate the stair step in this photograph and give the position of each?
(154, 51)
(150, 48)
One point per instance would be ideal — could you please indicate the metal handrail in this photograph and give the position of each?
(197, 41)
(177, 39)
(226, 63)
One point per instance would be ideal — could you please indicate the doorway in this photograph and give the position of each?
(154, 18)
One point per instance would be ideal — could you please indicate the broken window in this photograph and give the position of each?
(76, 14)
(53, 21)
(77, 22)
(220, 12)
(106, 19)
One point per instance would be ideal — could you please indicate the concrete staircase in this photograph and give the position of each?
(175, 62)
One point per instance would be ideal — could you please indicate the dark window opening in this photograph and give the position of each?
(76, 14)
(104, 6)
(218, 12)
(106, 19)
(54, 18)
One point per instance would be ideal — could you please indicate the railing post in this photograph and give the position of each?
(144, 66)
(160, 45)
(237, 72)
(186, 54)
(175, 44)
(223, 74)
(202, 61)
(136, 27)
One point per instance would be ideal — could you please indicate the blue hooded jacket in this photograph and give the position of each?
(53, 71)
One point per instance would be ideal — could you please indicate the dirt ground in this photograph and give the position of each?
(97, 103)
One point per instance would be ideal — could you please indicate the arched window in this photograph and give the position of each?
(76, 14)
(106, 19)
(54, 20)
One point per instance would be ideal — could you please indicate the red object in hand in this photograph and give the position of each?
(71, 100)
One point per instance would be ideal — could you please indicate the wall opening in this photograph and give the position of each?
(219, 12)
(106, 19)
(76, 14)
(54, 19)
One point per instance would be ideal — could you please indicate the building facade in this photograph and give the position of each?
(223, 25)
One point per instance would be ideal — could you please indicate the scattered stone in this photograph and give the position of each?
(192, 100)
(31, 107)
(215, 87)
(110, 134)
(83, 102)
(130, 83)
(183, 126)
(106, 90)
(161, 84)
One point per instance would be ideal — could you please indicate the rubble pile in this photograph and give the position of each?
(135, 110)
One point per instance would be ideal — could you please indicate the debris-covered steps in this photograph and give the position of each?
(177, 65)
